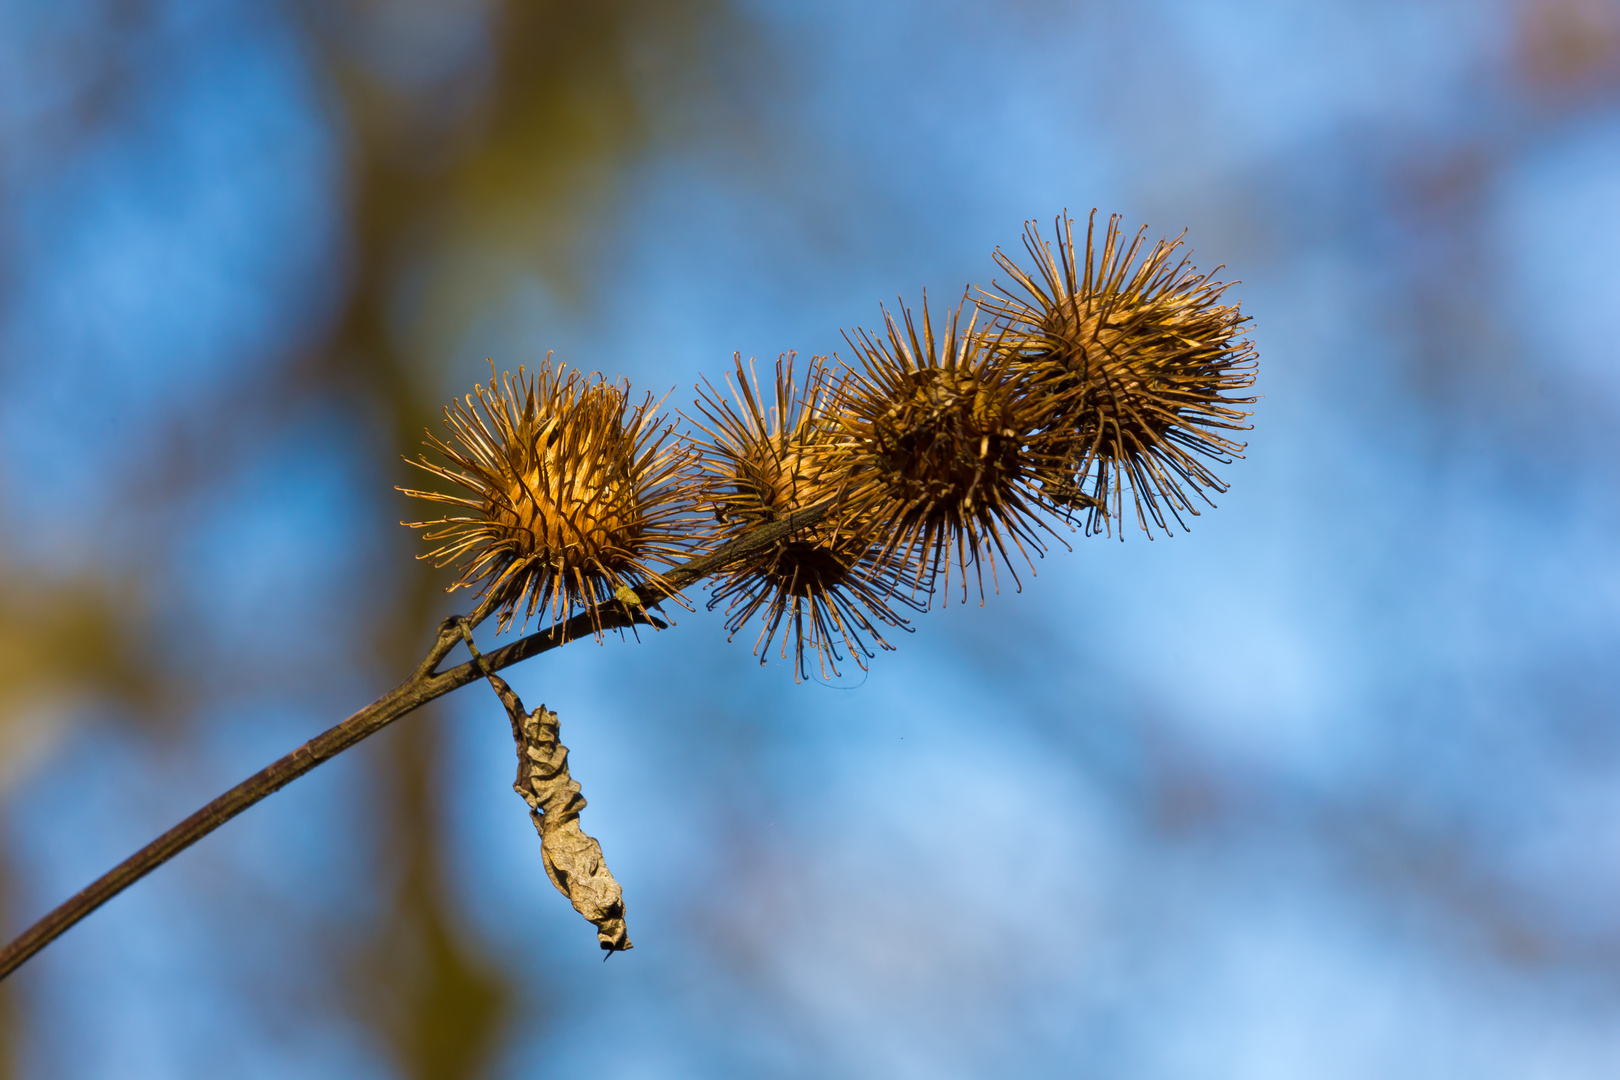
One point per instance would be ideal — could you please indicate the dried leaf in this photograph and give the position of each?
(573, 859)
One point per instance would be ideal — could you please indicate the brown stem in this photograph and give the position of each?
(424, 685)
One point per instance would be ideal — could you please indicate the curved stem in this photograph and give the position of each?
(424, 685)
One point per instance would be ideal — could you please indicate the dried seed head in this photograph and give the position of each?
(569, 494)
(1144, 359)
(938, 450)
(761, 461)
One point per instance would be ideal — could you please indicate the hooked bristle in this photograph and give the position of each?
(762, 460)
(1145, 361)
(571, 494)
(939, 450)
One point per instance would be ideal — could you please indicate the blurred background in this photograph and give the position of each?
(1328, 787)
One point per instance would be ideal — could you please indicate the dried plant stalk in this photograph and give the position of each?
(427, 683)
(1101, 369)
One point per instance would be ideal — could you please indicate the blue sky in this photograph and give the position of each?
(1323, 788)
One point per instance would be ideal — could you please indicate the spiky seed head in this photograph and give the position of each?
(1146, 361)
(938, 449)
(567, 493)
(760, 455)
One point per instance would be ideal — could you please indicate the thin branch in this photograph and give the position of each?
(425, 685)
